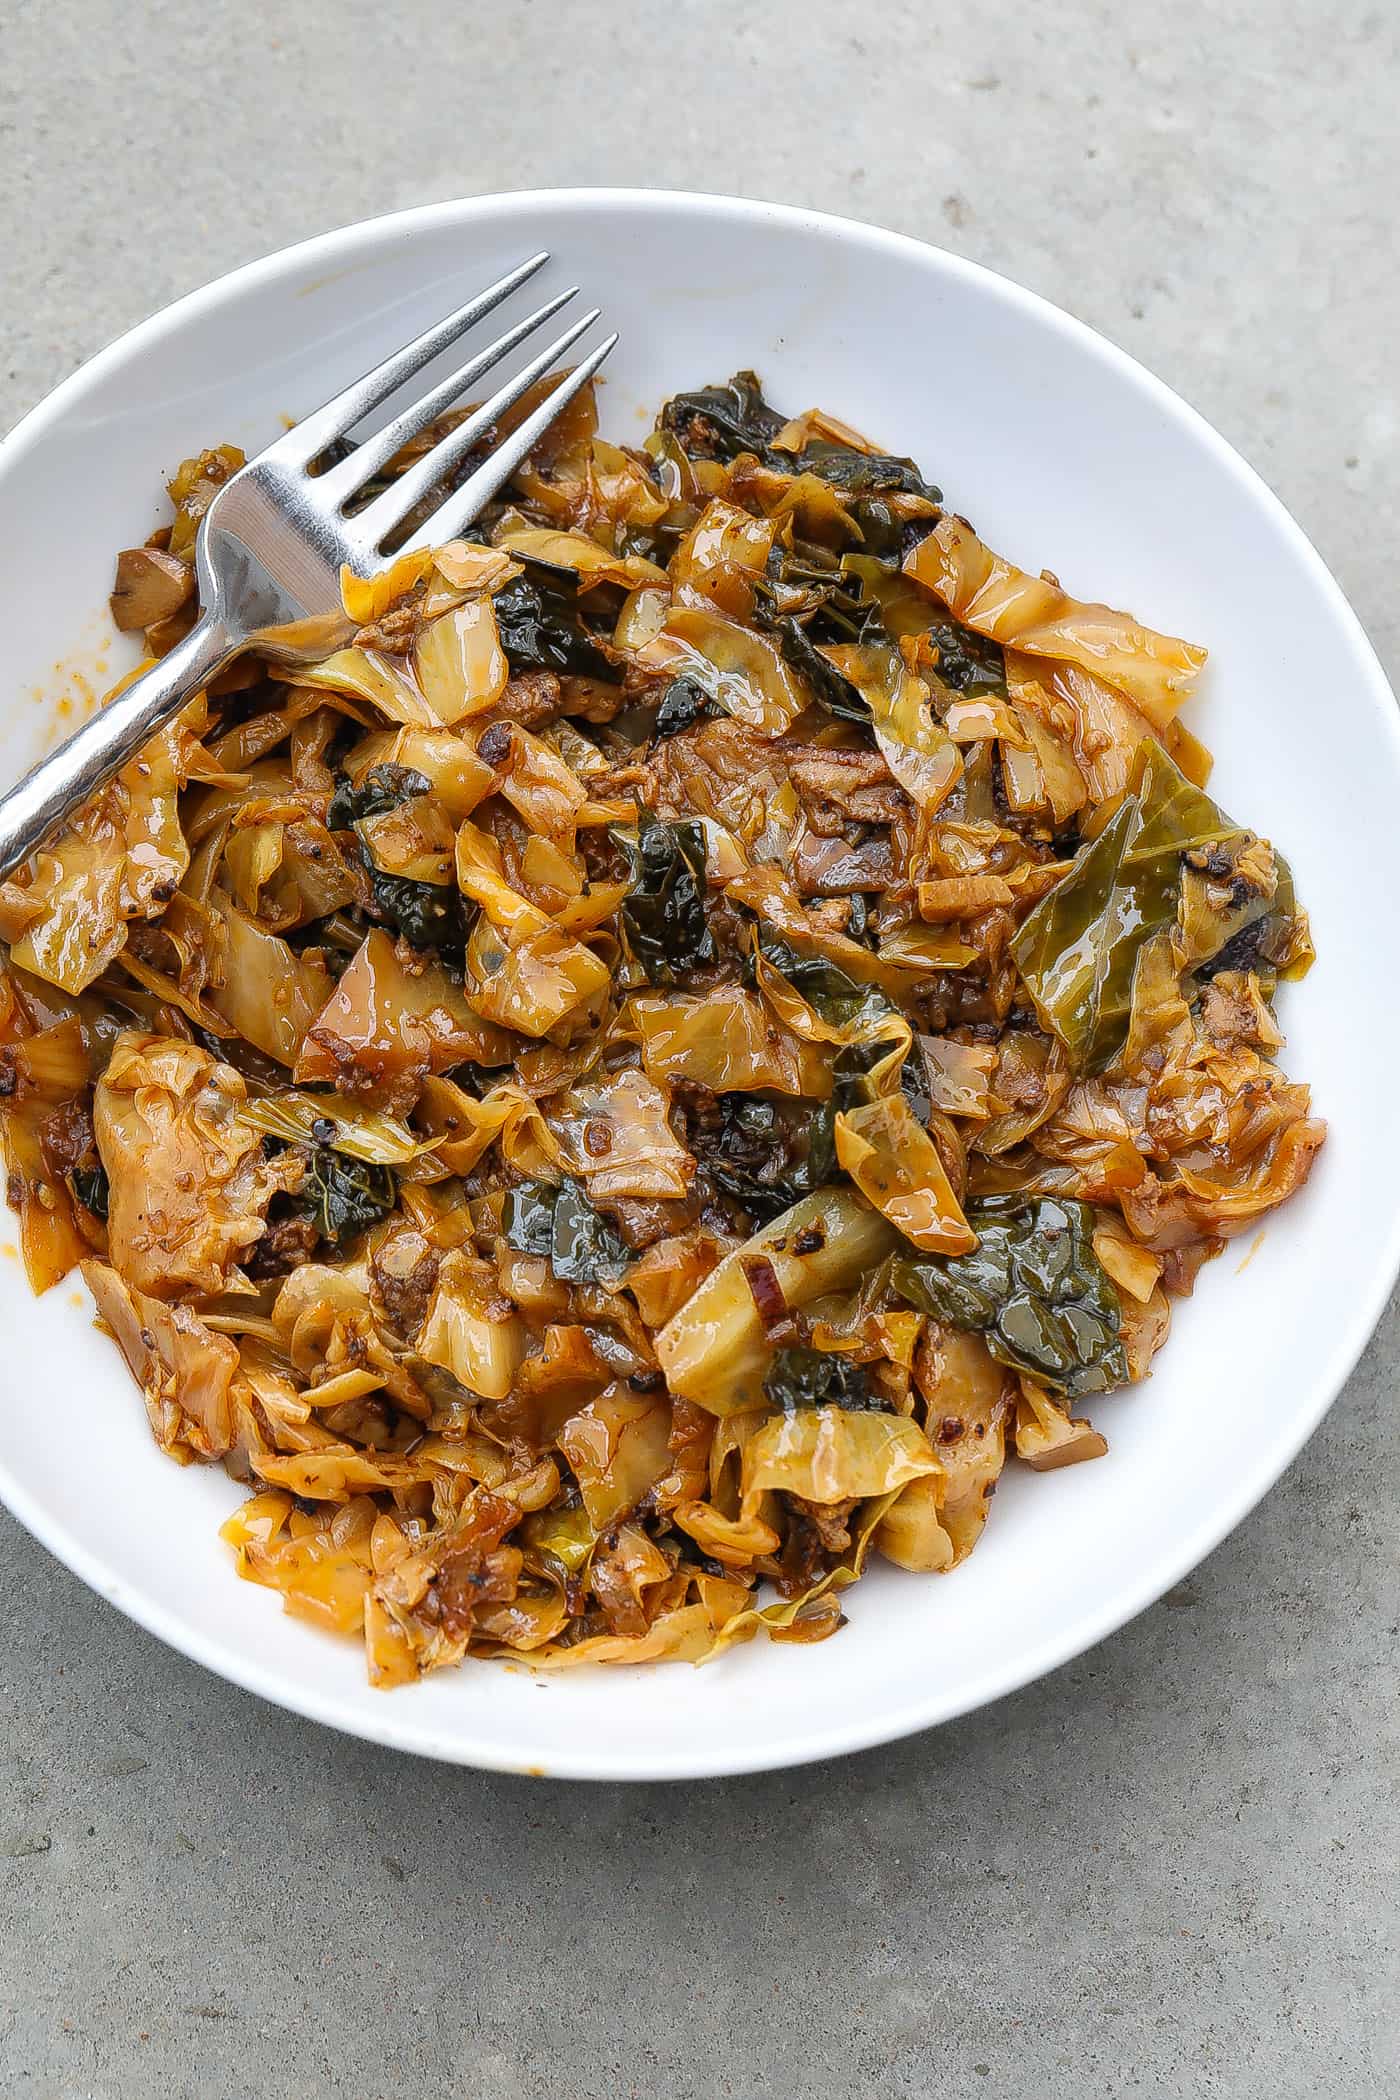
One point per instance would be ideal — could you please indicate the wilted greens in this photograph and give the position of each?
(427, 914)
(560, 1224)
(817, 1378)
(90, 1188)
(719, 422)
(664, 911)
(766, 1152)
(541, 625)
(383, 788)
(344, 1196)
(683, 704)
(1034, 1289)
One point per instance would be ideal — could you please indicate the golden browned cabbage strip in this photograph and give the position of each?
(723, 1013)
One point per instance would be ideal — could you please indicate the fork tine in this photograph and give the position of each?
(365, 461)
(340, 414)
(371, 526)
(456, 512)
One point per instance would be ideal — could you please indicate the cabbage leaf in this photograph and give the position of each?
(1077, 951)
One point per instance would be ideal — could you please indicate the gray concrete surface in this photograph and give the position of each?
(1170, 1869)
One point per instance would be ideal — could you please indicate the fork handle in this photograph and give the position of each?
(53, 789)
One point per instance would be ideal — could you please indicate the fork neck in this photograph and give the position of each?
(83, 765)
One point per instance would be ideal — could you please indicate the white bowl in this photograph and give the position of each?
(1067, 455)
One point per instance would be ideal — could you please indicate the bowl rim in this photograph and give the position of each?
(392, 1724)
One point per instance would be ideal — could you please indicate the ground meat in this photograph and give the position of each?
(604, 860)
(747, 1146)
(67, 1140)
(152, 945)
(630, 778)
(403, 1273)
(641, 1222)
(831, 915)
(531, 698)
(1240, 952)
(830, 1521)
(590, 699)
(861, 803)
(396, 633)
(286, 1244)
(833, 770)
(470, 1579)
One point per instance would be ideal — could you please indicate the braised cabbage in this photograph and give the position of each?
(718, 1019)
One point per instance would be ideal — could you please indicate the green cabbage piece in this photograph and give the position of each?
(1078, 950)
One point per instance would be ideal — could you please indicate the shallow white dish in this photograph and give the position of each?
(1067, 455)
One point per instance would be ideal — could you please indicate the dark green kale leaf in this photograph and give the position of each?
(766, 1154)
(720, 422)
(664, 912)
(893, 605)
(840, 1000)
(834, 690)
(427, 914)
(813, 1378)
(682, 704)
(823, 984)
(343, 1196)
(837, 997)
(560, 1225)
(850, 1076)
(810, 585)
(1034, 1288)
(805, 601)
(968, 662)
(586, 1247)
(864, 473)
(541, 627)
(383, 788)
(89, 1185)
(885, 535)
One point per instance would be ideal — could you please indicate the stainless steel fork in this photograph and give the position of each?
(271, 545)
